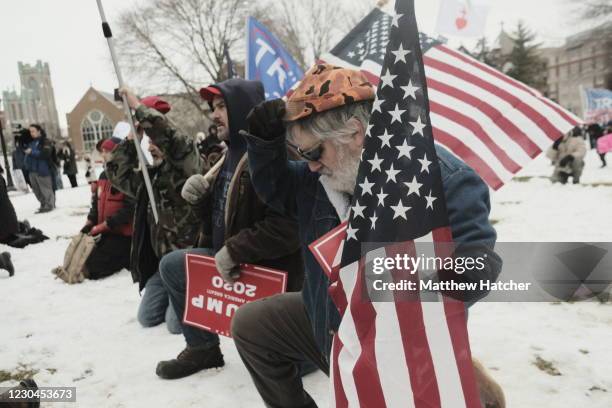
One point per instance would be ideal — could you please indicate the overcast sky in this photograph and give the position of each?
(67, 34)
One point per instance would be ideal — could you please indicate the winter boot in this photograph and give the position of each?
(190, 361)
(5, 263)
(6, 401)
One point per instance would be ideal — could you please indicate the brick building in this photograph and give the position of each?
(93, 118)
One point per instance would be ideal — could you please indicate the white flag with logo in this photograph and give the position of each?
(463, 18)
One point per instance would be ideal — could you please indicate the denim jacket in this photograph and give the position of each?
(291, 188)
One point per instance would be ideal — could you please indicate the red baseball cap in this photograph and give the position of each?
(109, 144)
(209, 92)
(156, 103)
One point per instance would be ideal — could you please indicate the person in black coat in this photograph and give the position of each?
(21, 142)
(8, 217)
(8, 224)
(66, 154)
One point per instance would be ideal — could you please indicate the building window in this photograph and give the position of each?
(94, 127)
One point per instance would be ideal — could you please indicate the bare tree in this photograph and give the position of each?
(180, 42)
(176, 46)
(596, 10)
(309, 28)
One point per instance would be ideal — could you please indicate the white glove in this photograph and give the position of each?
(228, 269)
(195, 188)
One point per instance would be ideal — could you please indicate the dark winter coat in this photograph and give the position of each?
(178, 221)
(111, 206)
(18, 158)
(253, 232)
(70, 165)
(8, 217)
(40, 158)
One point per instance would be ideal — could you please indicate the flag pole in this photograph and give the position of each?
(128, 113)
(583, 101)
(248, 49)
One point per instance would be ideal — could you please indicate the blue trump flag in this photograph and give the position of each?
(597, 105)
(269, 62)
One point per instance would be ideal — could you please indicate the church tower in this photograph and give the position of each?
(37, 95)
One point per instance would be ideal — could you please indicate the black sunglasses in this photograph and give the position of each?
(313, 154)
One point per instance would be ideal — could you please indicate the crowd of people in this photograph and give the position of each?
(37, 163)
(270, 178)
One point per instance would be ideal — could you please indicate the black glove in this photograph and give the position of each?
(86, 228)
(566, 160)
(266, 119)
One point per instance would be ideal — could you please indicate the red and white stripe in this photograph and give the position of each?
(494, 123)
(407, 353)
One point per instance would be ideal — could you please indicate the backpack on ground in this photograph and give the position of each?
(73, 270)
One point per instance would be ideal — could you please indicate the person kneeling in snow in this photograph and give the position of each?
(175, 158)
(109, 221)
(567, 155)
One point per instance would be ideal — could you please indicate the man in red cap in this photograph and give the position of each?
(109, 221)
(237, 227)
(175, 158)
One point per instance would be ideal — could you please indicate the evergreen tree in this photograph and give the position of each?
(524, 63)
(482, 52)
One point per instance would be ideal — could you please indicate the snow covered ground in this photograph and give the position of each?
(87, 335)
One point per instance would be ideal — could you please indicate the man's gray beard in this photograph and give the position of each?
(345, 177)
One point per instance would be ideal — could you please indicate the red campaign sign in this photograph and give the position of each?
(210, 303)
(327, 250)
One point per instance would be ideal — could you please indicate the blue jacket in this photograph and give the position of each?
(291, 188)
(38, 161)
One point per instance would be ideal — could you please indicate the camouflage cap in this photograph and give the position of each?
(326, 87)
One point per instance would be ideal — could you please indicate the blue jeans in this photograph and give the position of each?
(154, 307)
(172, 271)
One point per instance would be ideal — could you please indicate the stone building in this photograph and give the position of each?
(93, 118)
(35, 102)
(584, 61)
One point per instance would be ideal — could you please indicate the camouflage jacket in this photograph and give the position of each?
(178, 224)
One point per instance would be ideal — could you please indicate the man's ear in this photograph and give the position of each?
(359, 136)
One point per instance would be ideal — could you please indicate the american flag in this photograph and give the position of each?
(406, 352)
(492, 122)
